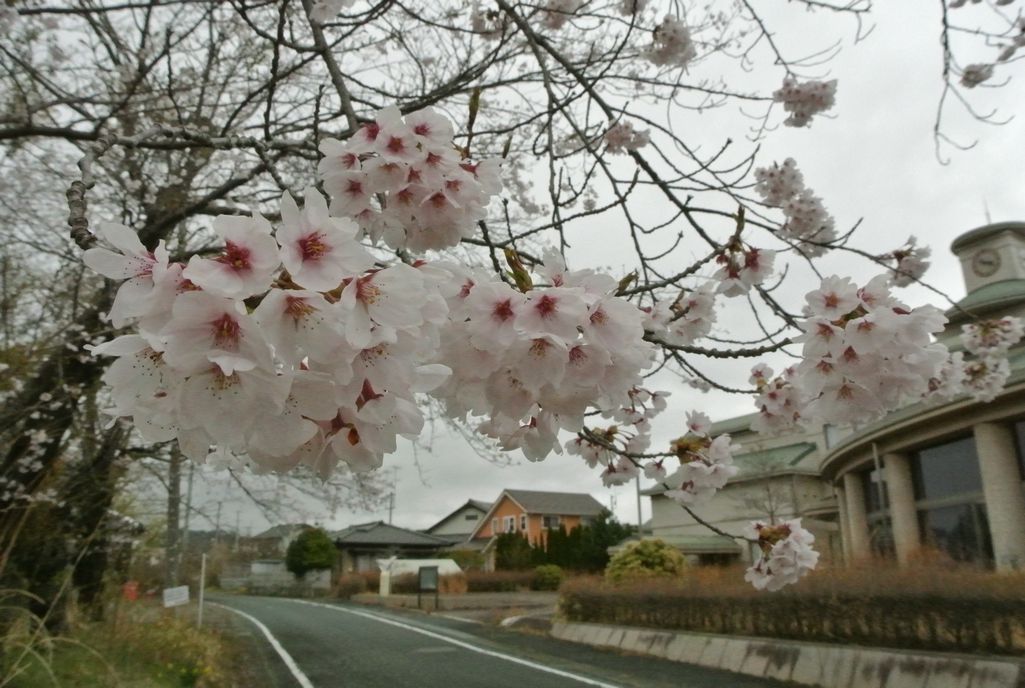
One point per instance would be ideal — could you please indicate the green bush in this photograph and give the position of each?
(547, 577)
(645, 559)
(312, 550)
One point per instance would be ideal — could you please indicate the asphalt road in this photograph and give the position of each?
(342, 645)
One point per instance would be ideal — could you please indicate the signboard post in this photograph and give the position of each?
(427, 581)
(175, 597)
(202, 589)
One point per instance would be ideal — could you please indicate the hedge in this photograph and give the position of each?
(962, 623)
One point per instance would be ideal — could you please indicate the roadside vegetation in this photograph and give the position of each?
(139, 645)
(932, 605)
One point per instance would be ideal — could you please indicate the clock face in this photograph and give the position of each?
(985, 262)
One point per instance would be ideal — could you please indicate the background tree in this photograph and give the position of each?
(177, 111)
(311, 550)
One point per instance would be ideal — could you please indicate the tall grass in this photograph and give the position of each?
(930, 605)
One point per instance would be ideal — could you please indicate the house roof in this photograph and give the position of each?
(554, 503)
(283, 530)
(381, 533)
(473, 503)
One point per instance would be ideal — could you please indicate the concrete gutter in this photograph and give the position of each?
(809, 664)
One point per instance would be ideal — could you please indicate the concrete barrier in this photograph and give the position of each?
(809, 664)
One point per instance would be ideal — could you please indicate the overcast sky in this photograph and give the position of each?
(873, 160)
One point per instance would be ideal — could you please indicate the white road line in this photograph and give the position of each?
(303, 680)
(459, 643)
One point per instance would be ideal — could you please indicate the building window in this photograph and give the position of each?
(1019, 433)
(523, 522)
(471, 517)
(509, 524)
(949, 500)
(551, 522)
(494, 526)
(948, 470)
(962, 531)
(877, 503)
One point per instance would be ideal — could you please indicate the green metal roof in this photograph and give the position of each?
(701, 544)
(989, 297)
(984, 232)
(773, 459)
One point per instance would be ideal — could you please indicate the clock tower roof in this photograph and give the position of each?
(980, 235)
(993, 264)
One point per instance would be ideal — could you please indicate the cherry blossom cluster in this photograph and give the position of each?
(706, 464)
(685, 320)
(804, 100)
(405, 183)
(487, 23)
(557, 12)
(864, 352)
(532, 361)
(990, 338)
(807, 220)
(630, 7)
(608, 447)
(985, 375)
(324, 368)
(671, 44)
(785, 554)
(912, 262)
(741, 268)
(622, 137)
(778, 400)
(324, 11)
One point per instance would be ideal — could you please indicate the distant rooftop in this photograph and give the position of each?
(559, 503)
(381, 533)
(283, 530)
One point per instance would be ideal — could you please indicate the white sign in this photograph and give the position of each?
(174, 597)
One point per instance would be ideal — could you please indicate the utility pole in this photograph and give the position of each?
(172, 542)
(217, 524)
(188, 513)
(640, 521)
(391, 506)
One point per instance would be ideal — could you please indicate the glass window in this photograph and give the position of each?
(1019, 433)
(510, 524)
(471, 517)
(523, 521)
(962, 531)
(494, 526)
(874, 486)
(947, 470)
(551, 522)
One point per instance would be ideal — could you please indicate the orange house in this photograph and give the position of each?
(533, 513)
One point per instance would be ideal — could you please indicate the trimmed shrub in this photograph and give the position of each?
(347, 586)
(645, 559)
(925, 609)
(499, 581)
(311, 550)
(547, 577)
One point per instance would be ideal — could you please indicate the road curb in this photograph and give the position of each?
(809, 664)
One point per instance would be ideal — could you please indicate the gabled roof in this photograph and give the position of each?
(283, 530)
(473, 503)
(554, 503)
(381, 533)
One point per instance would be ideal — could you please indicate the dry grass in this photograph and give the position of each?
(933, 604)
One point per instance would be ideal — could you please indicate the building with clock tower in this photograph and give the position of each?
(948, 478)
